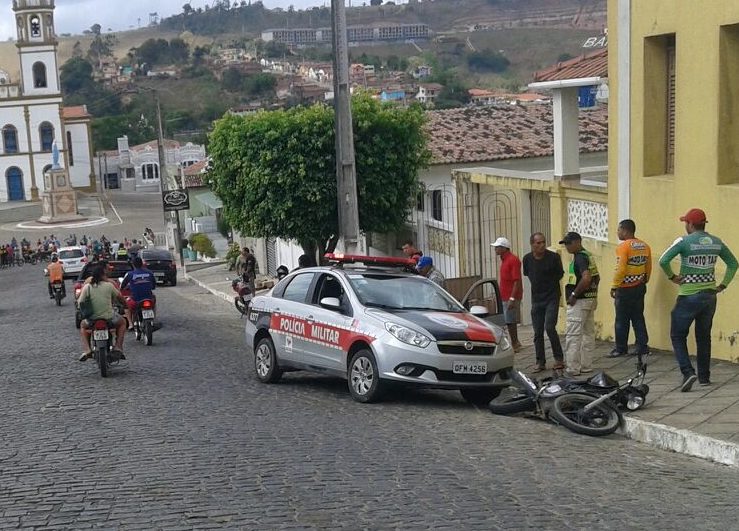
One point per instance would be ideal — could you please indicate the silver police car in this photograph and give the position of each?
(369, 321)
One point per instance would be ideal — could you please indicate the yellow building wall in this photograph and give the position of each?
(706, 89)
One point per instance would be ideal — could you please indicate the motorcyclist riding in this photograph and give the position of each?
(102, 295)
(141, 282)
(56, 274)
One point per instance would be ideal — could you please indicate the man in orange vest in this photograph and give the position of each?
(56, 274)
(633, 268)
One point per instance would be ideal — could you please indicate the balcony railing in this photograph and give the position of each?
(9, 91)
(21, 4)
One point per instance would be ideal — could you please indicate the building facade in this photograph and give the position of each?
(674, 128)
(136, 168)
(31, 114)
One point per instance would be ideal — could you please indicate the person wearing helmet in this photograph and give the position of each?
(56, 274)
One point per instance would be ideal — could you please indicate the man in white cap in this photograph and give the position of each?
(511, 288)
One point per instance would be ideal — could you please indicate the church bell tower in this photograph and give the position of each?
(37, 47)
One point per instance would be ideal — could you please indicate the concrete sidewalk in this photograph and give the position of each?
(702, 423)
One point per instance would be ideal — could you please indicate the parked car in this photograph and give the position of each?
(161, 263)
(368, 320)
(73, 259)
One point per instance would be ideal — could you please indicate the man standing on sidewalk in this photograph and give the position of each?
(511, 288)
(633, 268)
(581, 292)
(544, 269)
(696, 301)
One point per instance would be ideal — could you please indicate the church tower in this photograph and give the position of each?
(37, 47)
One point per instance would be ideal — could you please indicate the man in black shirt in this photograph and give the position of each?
(544, 269)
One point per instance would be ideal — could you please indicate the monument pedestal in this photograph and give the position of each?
(59, 199)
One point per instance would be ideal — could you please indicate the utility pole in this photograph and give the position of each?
(346, 173)
(163, 183)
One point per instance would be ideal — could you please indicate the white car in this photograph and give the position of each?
(376, 326)
(73, 259)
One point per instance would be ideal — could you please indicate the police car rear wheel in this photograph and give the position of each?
(265, 362)
(364, 378)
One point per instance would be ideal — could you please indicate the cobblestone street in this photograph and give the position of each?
(182, 436)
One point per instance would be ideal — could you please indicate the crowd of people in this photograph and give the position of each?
(699, 251)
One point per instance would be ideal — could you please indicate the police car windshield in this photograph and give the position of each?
(401, 293)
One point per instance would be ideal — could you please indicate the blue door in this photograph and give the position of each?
(15, 185)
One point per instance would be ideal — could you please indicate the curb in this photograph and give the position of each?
(219, 294)
(681, 441)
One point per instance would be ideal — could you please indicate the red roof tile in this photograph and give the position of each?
(589, 65)
(489, 133)
(75, 112)
(195, 174)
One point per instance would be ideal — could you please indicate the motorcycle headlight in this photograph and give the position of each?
(408, 336)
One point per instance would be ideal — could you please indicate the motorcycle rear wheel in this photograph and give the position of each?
(58, 297)
(568, 410)
(512, 404)
(148, 333)
(102, 356)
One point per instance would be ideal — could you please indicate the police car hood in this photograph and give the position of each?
(441, 326)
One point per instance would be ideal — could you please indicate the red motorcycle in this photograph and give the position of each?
(244, 294)
(143, 321)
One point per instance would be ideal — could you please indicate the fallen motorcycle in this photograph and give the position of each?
(579, 411)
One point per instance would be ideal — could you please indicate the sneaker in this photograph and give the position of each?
(634, 351)
(539, 368)
(688, 382)
(616, 353)
(586, 371)
(86, 356)
(704, 382)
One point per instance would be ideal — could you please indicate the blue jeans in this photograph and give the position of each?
(700, 308)
(544, 318)
(629, 304)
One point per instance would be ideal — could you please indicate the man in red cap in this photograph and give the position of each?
(696, 301)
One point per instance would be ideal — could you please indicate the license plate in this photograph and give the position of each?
(470, 367)
(147, 314)
(157, 275)
(100, 335)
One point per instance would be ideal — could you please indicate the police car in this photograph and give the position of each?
(374, 322)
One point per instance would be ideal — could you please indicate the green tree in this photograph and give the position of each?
(232, 80)
(178, 51)
(275, 171)
(259, 84)
(75, 75)
(487, 61)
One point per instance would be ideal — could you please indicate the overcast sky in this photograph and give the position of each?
(74, 16)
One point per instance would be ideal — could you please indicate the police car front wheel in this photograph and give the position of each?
(364, 378)
(265, 361)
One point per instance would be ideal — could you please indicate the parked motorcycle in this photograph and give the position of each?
(57, 288)
(143, 321)
(580, 411)
(102, 346)
(243, 294)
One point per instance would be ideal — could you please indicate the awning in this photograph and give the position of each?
(210, 200)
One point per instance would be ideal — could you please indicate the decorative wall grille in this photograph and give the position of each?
(588, 218)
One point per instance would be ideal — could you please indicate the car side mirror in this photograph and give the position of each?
(331, 303)
(479, 311)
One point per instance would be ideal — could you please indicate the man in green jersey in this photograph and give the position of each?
(696, 301)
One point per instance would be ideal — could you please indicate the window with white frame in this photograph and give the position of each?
(150, 171)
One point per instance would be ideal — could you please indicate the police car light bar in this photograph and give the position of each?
(387, 261)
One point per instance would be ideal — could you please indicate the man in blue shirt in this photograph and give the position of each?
(141, 282)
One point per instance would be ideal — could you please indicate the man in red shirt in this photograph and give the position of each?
(511, 288)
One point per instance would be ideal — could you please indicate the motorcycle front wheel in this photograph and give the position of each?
(569, 411)
(512, 403)
(241, 306)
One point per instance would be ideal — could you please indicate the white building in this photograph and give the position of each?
(136, 168)
(31, 113)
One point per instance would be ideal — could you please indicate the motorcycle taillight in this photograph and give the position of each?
(101, 324)
(147, 304)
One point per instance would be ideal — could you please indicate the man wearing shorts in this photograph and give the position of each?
(511, 288)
